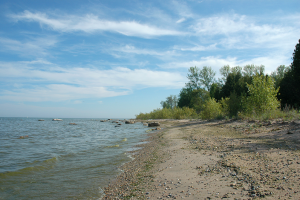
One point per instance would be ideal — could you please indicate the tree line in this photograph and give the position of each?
(240, 92)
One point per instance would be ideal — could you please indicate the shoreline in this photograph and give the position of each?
(233, 159)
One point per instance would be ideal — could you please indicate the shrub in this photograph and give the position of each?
(211, 109)
(168, 113)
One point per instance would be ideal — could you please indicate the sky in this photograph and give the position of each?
(118, 58)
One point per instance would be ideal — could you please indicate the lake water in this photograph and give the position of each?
(62, 161)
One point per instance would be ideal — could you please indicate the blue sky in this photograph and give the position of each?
(117, 58)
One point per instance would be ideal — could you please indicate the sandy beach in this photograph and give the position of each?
(222, 159)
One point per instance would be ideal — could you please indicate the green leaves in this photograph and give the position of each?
(262, 95)
(200, 78)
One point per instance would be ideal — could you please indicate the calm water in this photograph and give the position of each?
(62, 161)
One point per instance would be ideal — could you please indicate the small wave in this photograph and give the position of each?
(44, 165)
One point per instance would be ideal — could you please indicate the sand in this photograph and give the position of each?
(233, 159)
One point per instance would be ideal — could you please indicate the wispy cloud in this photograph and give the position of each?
(33, 47)
(132, 50)
(56, 93)
(91, 23)
(241, 31)
(59, 84)
(271, 62)
(180, 20)
(197, 48)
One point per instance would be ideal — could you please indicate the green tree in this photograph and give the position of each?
(215, 91)
(224, 71)
(262, 95)
(185, 97)
(207, 75)
(236, 69)
(211, 109)
(199, 98)
(200, 78)
(278, 75)
(171, 102)
(290, 84)
(251, 70)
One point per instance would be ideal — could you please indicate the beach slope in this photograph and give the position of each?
(194, 159)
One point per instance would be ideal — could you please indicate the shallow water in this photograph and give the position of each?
(62, 161)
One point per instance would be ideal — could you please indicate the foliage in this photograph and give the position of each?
(211, 109)
(224, 71)
(199, 98)
(215, 91)
(168, 113)
(278, 75)
(251, 70)
(200, 78)
(234, 104)
(243, 92)
(171, 102)
(207, 77)
(271, 114)
(185, 97)
(290, 84)
(262, 95)
(224, 102)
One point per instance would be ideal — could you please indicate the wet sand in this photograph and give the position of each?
(194, 159)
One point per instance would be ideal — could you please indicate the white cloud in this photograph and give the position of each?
(180, 20)
(197, 48)
(77, 83)
(241, 31)
(130, 49)
(34, 47)
(57, 92)
(271, 62)
(211, 61)
(91, 23)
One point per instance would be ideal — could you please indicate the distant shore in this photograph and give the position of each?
(194, 159)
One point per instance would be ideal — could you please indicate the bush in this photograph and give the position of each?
(262, 96)
(168, 113)
(211, 110)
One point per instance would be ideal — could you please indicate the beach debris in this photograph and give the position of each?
(153, 124)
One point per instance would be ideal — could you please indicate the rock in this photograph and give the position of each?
(41, 120)
(153, 124)
(102, 120)
(129, 122)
